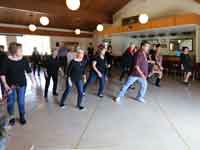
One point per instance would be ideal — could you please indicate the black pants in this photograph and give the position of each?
(125, 71)
(55, 82)
(36, 67)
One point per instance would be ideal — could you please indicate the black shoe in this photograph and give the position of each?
(62, 106)
(55, 94)
(101, 95)
(12, 122)
(22, 120)
(158, 82)
(81, 108)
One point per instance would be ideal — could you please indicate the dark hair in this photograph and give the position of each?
(144, 43)
(1, 46)
(13, 47)
(109, 47)
(157, 45)
(184, 48)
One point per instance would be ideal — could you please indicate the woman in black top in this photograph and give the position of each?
(13, 77)
(109, 59)
(186, 64)
(99, 66)
(75, 73)
(52, 66)
(36, 60)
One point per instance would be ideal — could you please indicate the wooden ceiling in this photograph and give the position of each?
(91, 12)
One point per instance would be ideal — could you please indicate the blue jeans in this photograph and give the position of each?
(19, 94)
(92, 77)
(129, 82)
(79, 86)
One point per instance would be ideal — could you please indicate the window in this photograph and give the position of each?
(30, 41)
(3, 41)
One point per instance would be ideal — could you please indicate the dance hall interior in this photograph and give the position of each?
(99, 74)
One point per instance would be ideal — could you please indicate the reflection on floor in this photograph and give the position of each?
(168, 121)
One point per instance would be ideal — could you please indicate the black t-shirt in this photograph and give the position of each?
(2, 57)
(101, 64)
(90, 51)
(15, 71)
(109, 58)
(76, 70)
(186, 61)
(52, 65)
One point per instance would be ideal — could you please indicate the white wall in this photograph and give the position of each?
(119, 43)
(156, 8)
(197, 44)
(82, 41)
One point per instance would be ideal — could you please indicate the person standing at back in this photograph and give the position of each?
(186, 64)
(139, 73)
(36, 60)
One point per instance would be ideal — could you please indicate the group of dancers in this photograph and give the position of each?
(139, 64)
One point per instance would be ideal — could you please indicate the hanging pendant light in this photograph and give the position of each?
(100, 27)
(44, 20)
(32, 27)
(73, 4)
(143, 18)
(77, 31)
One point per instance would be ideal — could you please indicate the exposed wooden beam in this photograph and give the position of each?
(42, 32)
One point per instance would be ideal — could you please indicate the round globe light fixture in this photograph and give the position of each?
(44, 20)
(100, 27)
(143, 18)
(32, 27)
(77, 31)
(73, 4)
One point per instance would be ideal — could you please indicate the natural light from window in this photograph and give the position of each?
(3, 41)
(30, 41)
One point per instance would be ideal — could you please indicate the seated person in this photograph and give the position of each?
(155, 65)
(186, 64)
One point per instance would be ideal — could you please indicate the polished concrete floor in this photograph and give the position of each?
(170, 120)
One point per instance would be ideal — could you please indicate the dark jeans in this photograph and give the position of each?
(55, 82)
(79, 87)
(92, 77)
(19, 94)
(36, 67)
(125, 71)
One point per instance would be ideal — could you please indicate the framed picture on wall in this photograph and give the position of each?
(176, 44)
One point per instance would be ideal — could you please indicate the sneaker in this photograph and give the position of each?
(22, 121)
(116, 100)
(140, 100)
(55, 94)
(81, 108)
(101, 95)
(84, 94)
(62, 106)
(12, 122)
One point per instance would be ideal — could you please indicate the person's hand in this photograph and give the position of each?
(45, 74)
(99, 74)
(84, 79)
(109, 66)
(182, 68)
(7, 88)
(144, 77)
(69, 81)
